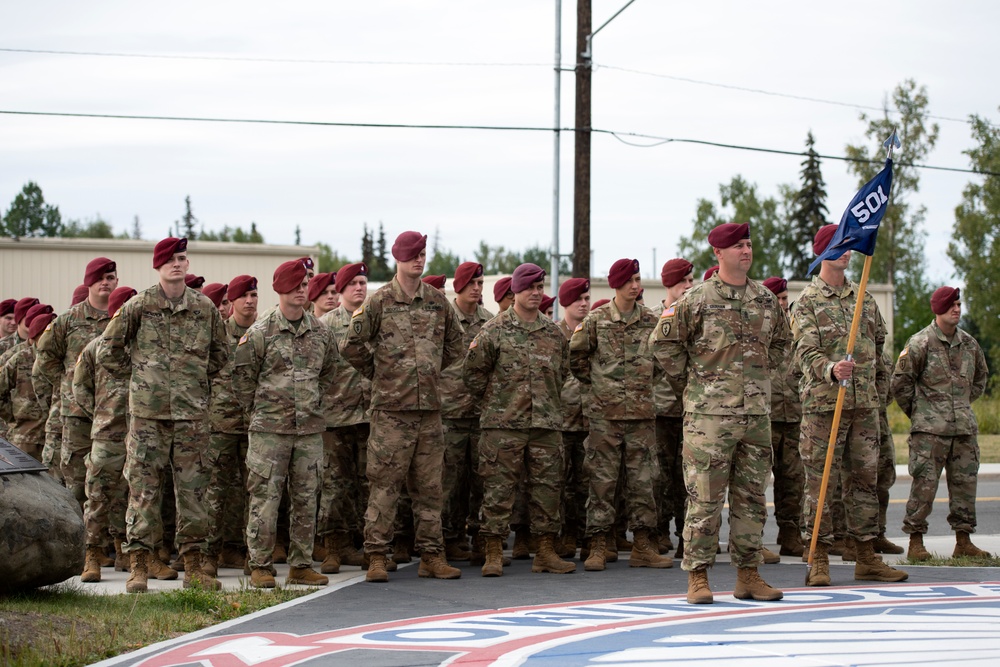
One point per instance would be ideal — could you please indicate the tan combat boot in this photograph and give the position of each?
(546, 558)
(884, 546)
(749, 585)
(565, 546)
(194, 571)
(107, 560)
(698, 590)
(819, 571)
(390, 564)
(849, 552)
(965, 547)
(319, 548)
(261, 578)
(157, 569)
(621, 541)
(611, 547)
(457, 549)
(644, 554)
(790, 541)
(402, 549)
(477, 556)
(871, 568)
(376, 568)
(331, 564)
(598, 553)
(493, 556)
(121, 558)
(231, 557)
(434, 566)
(522, 546)
(92, 565)
(305, 576)
(210, 565)
(916, 550)
(349, 555)
(138, 574)
(770, 558)
(280, 553)
(663, 542)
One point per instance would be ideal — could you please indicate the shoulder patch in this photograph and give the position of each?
(49, 327)
(905, 351)
(360, 310)
(243, 339)
(665, 328)
(579, 327)
(669, 312)
(474, 344)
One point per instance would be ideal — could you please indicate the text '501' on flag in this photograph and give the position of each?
(859, 226)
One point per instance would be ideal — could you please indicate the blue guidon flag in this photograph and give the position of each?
(859, 226)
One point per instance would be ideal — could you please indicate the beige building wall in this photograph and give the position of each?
(51, 268)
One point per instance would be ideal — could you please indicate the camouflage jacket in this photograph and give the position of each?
(665, 401)
(518, 368)
(281, 373)
(225, 414)
(346, 401)
(821, 323)
(172, 350)
(883, 380)
(936, 381)
(19, 408)
(719, 348)
(786, 406)
(401, 345)
(101, 396)
(611, 355)
(8, 342)
(58, 349)
(574, 394)
(457, 401)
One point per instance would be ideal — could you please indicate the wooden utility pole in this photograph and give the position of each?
(581, 171)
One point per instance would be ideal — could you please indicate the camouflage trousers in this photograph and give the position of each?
(52, 452)
(153, 445)
(671, 495)
(855, 455)
(505, 457)
(886, 467)
(31, 443)
(789, 476)
(276, 461)
(107, 493)
(227, 492)
(461, 485)
(958, 456)
(613, 447)
(725, 452)
(76, 445)
(575, 484)
(344, 493)
(405, 446)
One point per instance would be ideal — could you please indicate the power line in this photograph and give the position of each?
(500, 128)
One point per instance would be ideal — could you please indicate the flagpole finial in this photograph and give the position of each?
(890, 143)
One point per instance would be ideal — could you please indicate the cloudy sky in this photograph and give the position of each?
(667, 69)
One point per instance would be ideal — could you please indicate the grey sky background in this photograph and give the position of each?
(470, 185)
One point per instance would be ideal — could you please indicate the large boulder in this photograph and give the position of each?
(41, 532)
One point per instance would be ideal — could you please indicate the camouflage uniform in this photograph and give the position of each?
(461, 484)
(401, 345)
(672, 495)
(172, 348)
(886, 474)
(719, 349)
(58, 349)
(104, 399)
(519, 368)
(6, 343)
(19, 407)
(786, 417)
(575, 429)
(935, 382)
(610, 354)
(821, 325)
(280, 374)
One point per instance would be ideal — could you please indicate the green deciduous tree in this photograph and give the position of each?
(232, 234)
(95, 228)
(30, 216)
(807, 213)
(329, 260)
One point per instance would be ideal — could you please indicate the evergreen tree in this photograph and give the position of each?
(298, 238)
(808, 213)
(367, 248)
(136, 229)
(188, 220)
(30, 216)
(381, 270)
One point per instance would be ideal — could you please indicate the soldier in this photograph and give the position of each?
(217, 292)
(821, 325)
(58, 350)
(170, 339)
(609, 353)
(323, 293)
(8, 327)
(80, 294)
(719, 344)
(518, 362)
(677, 275)
(19, 407)
(786, 415)
(502, 294)
(437, 282)
(401, 338)
(284, 364)
(597, 304)
(194, 282)
(461, 484)
(938, 375)
(709, 273)
(548, 306)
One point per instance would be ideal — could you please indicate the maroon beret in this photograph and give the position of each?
(711, 272)
(435, 281)
(96, 270)
(622, 271)
(600, 302)
(166, 249)
(38, 318)
(943, 299)
(546, 303)
(193, 281)
(240, 285)
(572, 289)
(118, 299)
(7, 306)
(728, 234)
(465, 272)
(288, 276)
(674, 271)
(525, 276)
(215, 292)
(35, 311)
(308, 262)
(348, 273)
(319, 283)
(776, 285)
(80, 294)
(408, 245)
(822, 238)
(22, 306)
(500, 288)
